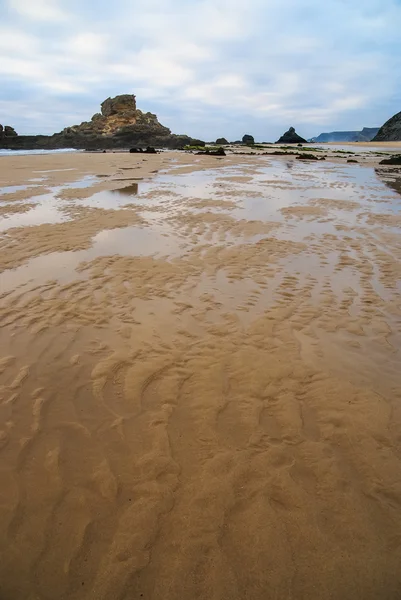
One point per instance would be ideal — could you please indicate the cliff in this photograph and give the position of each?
(365, 135)
(119, 125)
(390, 131)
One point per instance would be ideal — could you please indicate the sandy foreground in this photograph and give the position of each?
(200, 382)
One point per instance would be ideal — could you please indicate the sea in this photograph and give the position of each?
(25, 152)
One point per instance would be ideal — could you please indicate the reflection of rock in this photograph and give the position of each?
(291, 137)
(390, 131)
(309, 157)
(129, 190)
(221, 141)
(119, 125)
(391, 178)
(248, 139)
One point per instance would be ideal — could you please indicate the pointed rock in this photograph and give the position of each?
(291, 137)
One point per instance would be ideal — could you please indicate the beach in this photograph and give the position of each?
(200, 383)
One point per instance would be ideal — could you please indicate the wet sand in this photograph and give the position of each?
(200, 383)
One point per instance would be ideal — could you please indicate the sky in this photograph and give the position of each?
(207, 68)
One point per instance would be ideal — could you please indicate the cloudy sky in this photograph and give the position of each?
(207, 68)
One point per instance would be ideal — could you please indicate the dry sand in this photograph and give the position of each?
(200, 385)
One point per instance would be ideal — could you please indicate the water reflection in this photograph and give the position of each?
(129, 190)
(391, 178)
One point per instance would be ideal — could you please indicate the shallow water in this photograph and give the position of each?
(300, 203)
(9, 189)
(4, 152)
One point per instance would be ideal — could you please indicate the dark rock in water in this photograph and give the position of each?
(291, 137)
(7, 132)
(352, 160)
(221, 141)
(149, 150)
(207, 152)
(391, 130)
(393, 160)
(309, 157)
(119, 125)
(248, 139)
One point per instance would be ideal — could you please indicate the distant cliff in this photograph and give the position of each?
(119, 125)
(366, 135)
(391, 130)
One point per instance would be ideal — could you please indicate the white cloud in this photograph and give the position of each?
(13, 41)
(151, 66)
(38, 10)
(88, 45)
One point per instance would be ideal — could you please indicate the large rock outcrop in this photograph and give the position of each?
(120, 124)
(390, 131)
(291, 137)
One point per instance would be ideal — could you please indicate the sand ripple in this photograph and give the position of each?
(220, 424)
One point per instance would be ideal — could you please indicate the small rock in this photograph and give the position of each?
(393, 160)
(248, 139)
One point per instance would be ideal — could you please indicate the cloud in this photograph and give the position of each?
(209, 67)
(38, 10)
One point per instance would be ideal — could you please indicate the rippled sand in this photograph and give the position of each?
(200, 383)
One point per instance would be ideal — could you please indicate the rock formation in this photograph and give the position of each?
(393, 160)
(7, 132)
(119, 125)
(390, 131)
(291, 137)
(221, 141)
(119, 117)
(217, 152)
(365, 135)
(248, 139)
